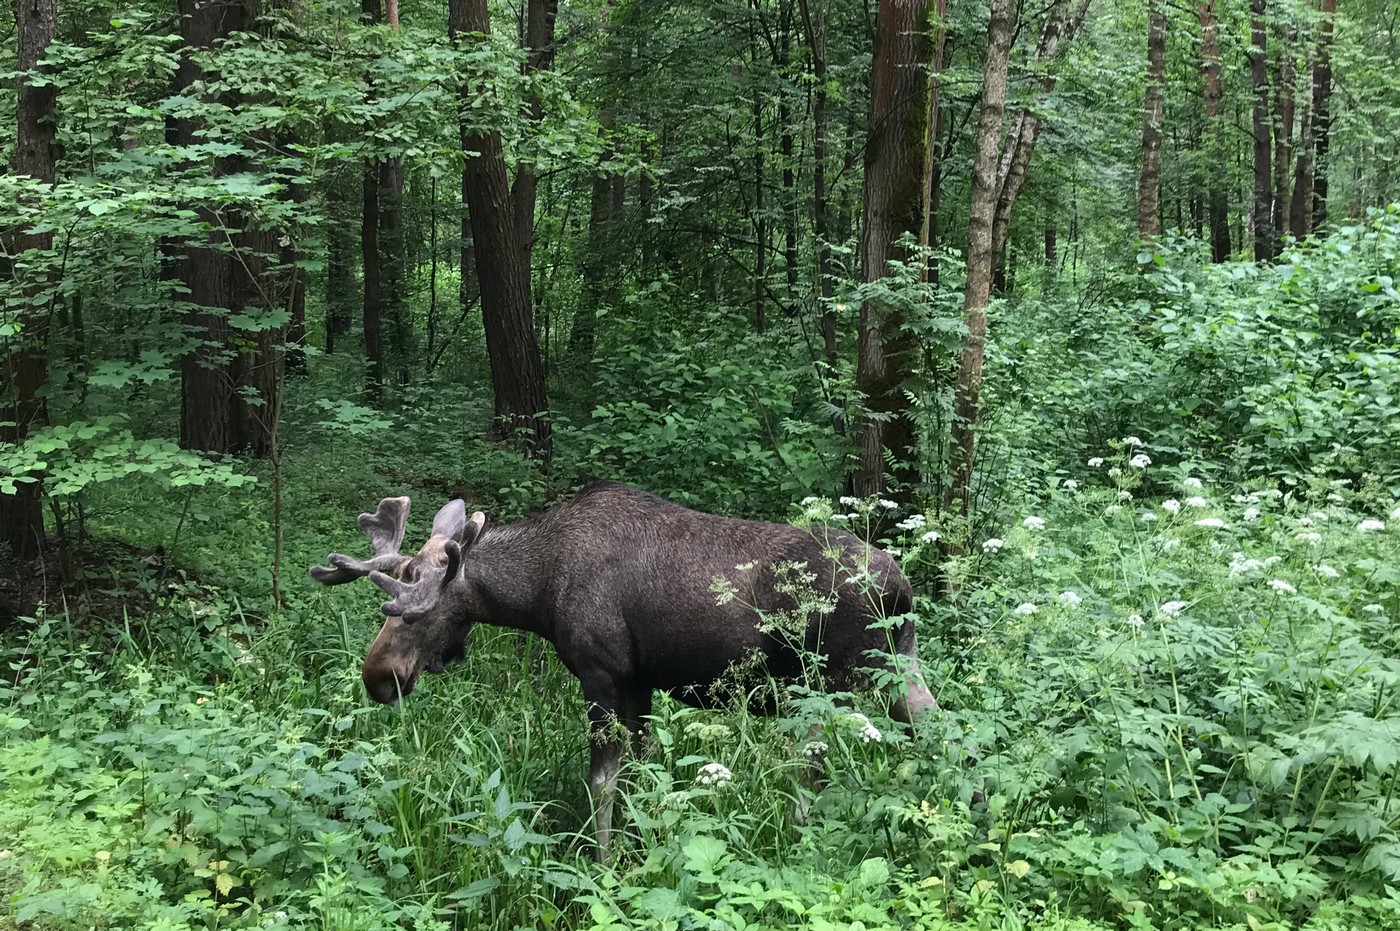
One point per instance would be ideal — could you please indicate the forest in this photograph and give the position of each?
(1084, 311)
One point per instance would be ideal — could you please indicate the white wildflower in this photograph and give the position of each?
(1135, 620)
(1335, 497)
(1148, 517)
(1251, 514)
(1169, 544)
(1310, 537)
(1305, 522)
(1320, 516)
(1271, 561)
(849, 501)
(1034, 523)
(867, 732)
(1125, 495)
(1191, 483)
(1239, 565)
(1369, 526)
(815, 749)
(930, 537)
(714, 774)
(1327, 572)
(746, 566)
(1140, 461)
(1196, 501)
(1372, 609)
(810, 500)
(1112, 509)
(1214, 523)
(1171, 506)
(1025, 608)
(1282, 587)
(1070, 598)
(912, 522)
(992, 545)
(888, 505)
(1114, 472)
(1071, 484)
(1173, 608)
(1095, 462)
(1132, 441)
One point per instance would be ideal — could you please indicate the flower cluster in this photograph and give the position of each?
(714, 774)
(867, 732)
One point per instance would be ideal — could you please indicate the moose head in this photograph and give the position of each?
(429, 613)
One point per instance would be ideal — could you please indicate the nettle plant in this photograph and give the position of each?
(1184, 699)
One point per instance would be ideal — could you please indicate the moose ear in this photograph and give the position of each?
(454, 562)
(473, 529)
(449, 521)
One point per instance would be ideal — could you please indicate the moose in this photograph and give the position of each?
(629, 587)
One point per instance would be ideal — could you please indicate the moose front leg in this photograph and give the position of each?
(606, 741)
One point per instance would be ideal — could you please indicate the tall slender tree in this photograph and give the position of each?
(25, 367)
(503, 275)
(1150, 174)
(1218, 206)
(1265, 239)
(1322, 114)
(981, 249)
(894, 165)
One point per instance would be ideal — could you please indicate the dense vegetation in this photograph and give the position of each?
(262, 281)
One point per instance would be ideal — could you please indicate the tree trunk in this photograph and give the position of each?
(340, 264)
(25, 365)
(395, 350)
(1263, 213)
(1300, 203)
(517, 370)
(1150, 176)
(222, 278)
(814, 26)
(760, 207)
(1322, 114)
(371, 262)
(933, 159)
(1061, 24)
(540, 16)
(1283, 128)
(1219, 206)
(894, 165)
(981, 251)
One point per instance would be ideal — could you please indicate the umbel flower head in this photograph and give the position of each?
(714, 774)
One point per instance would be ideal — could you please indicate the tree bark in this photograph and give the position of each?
(1283, 128)
(814, 22)
(225, 277)
(1322, 114)
(1150, 176)
(26, 364)
(1300, 203)
(517, 370)
(371, 263)
(1061, 24)
(1218, 209)
(1265, 240)
(894, 164)
(540, 16)
(981, 251)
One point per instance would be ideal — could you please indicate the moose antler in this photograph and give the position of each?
(413, 600)
(385, 528)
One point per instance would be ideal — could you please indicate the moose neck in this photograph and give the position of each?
(505, 570)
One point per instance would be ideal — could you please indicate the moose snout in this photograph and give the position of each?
(385, 685)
